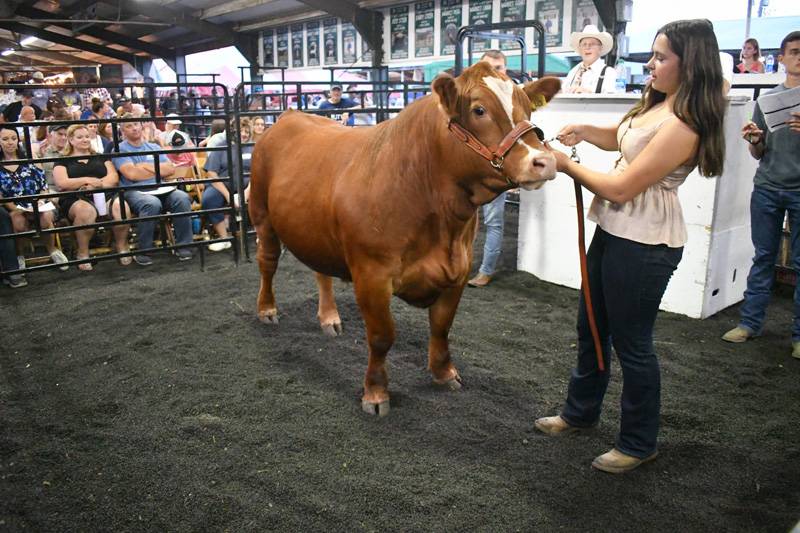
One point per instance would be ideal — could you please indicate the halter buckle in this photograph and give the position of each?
(497, 162)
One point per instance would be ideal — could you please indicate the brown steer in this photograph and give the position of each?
(394, 207)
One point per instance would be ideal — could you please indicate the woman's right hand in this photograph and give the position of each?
(752, 133)
(570, 135)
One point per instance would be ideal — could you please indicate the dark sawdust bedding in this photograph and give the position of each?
(152, 399)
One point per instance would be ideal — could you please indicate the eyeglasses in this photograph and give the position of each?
(589, 44)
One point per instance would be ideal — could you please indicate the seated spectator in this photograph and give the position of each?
(173, 123)
(140, 169)
(149, 131)
(70, 96)
(124, 105)
(100, 93)
(21, 180)
(99, 142)
(52, 147)
(259, 128)
(216, 136)
(8, 256)
(219, 193)
(40, 94)
(178, 139)
(27, 114)
(96, 110)
(85, 175)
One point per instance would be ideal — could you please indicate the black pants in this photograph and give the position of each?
(8, 253)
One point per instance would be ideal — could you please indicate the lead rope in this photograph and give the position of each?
(587, 295)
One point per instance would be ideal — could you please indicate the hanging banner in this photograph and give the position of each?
(424, 19)
(283, 47)
(480, 12)
(512, 11)
(330, 38)
(297, 45)
(348, 43)
(584, 13)
(312, 43)
(549, 13)
(268, 58)
(398, 27)
(450, 22)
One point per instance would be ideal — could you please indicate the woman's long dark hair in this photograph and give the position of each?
(20, 153)
(699, 102)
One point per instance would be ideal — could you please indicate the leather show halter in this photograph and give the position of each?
(496, 156)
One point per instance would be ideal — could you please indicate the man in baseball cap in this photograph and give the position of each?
(336, 101)
(591, 75)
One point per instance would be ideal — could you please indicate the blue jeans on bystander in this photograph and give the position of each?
(768, 209)
(493, 219)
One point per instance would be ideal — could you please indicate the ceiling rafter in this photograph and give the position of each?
(65, 40)
(106, 35)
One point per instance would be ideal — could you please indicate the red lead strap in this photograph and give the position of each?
(587, 294)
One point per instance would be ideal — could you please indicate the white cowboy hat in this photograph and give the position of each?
(605, 38)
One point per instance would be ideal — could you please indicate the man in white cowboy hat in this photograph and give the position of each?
(591, 75)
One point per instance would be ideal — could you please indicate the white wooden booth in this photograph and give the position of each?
(713, 272)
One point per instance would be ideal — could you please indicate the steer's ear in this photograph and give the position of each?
(445, 88)
(542, 91)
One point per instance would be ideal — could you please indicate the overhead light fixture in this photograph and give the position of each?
(7, 52)
(27, 40)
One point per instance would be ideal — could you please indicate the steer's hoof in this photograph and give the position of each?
(332, 330)
(268, 317)
(380, 409)
(453, 383)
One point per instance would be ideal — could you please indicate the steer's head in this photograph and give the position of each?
(487, 105)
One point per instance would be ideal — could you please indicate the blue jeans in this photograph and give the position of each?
(627, 280)
(144, 205)
(493, 213)
(213, 199)
(767, 211)
(8, 254)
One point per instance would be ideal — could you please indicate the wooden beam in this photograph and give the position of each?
(231, 6)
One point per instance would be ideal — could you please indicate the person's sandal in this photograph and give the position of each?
(127, 260)
(85, 267)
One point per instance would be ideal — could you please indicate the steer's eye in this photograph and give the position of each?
(479, 111)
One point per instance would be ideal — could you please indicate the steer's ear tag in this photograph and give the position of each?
(537, 101)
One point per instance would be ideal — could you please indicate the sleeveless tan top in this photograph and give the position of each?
(655, 215)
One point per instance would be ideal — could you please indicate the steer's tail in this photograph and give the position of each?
(259, 183)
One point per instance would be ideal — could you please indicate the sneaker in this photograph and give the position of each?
(184, 254)
(143, 260)
(15, 281)
(738, 334)
(796, 349)
(481, 280)
(21, 261)
(219, 246)
(59, 258)
(616, 462)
